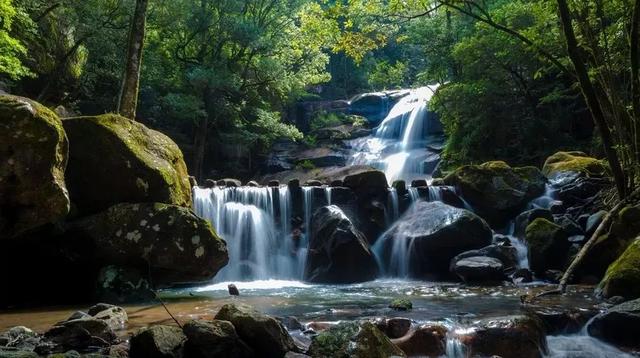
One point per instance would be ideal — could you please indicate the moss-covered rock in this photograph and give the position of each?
(497, 191)
(157, 341)
(113, 159)
(33, 159)
(350, 339)
(401, 304)
(214, 339)
(574, 162)
(169, 241)
(548, 245)
(263, 333)
(623, 276)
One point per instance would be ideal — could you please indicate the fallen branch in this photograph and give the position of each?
(568, 274)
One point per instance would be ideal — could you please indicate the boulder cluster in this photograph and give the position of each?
(95, 205)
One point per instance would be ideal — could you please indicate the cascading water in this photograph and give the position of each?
(399, 145)
(260, 246)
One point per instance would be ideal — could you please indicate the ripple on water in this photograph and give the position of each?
(582, 347)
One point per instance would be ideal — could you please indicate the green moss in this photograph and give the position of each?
(574, 162)
(547, 244)
(401, 304)
(334, 342)
(623, 276)
(114, 159)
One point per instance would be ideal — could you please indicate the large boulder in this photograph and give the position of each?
(503, 252)
(350, 339)
(517, 337)
(620, 325)
(548, 245)
(157, 342)
(214, 339)
(33, 159)
(78, 334)
(424, 341)
(434, 233)
(524, 219)
(370, 180)
(170, 242)
(497, 191)
(338, 252)
(623, 276)
(563, 163)
(113, 160)
(263, 333)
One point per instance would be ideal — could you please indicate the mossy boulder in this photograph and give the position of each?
(620, 325)
(574, 162)
(157, 342)
(623, 276)
(548, 245)
(264, 334)
(33, 159)
(401, 304)
(113, 160)
(214, 339)
(350, 339)
(169, 241)
(497, 191)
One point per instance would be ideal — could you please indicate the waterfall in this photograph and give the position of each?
(327, 194)
(307, 193)
(260, 246)
(393, 206)
(398, 146)
(414, 194)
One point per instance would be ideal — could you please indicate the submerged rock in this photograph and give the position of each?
(562, 163)
(394, 327)
(214, 339)
(113, 159)
(497, 191)
(349, 339)
(548, 245)
(338, 252)
(426, 340)
(434, 233)
(33, 158)
(623, 276)
(262, 333)
(170, 242)
(401, 304)
(620, 325)
(157, 342)
(511, 337)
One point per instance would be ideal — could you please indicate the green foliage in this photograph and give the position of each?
(11, 49)
(388, 76)
(326, 120)
(305, 165)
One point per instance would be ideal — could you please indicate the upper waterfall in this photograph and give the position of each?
(399, 145)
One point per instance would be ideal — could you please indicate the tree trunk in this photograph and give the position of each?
(589, 93)
(200, 145)
(128, 101)
(635, 75)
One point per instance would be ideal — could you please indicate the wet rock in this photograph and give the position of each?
(273, 184)
(394, 327)
(548, 245)
(570, 227)
(121, 284)
(113, 159)
(157, 342)
(349, 339)
(557, 322)
(313, 183)
(620, 325)
(366, 181)
(210, 183)
(116, 317)
(623, 276)
(295, 355)
(478, 269)
(523, 220)
(293, 184)
(336, 183)
(497, 191)
(504, 252)
(438, 232)
(170, 242)
(522, 275)
(322, 157)
(262, 333)
(338, 252)
(33, 158)
(426, 340)
(562, 163)
(291, 323)
(233, 290)
(78, 334)
(400, 186)
(214, 339)
(513, 337)
(401, 304)
(594, 221)
(253, 184)
(19, 338)
(418, 183)
(231, 183)
(553, 276)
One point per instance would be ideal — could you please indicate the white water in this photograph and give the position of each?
(245, 217)
(398, 146)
